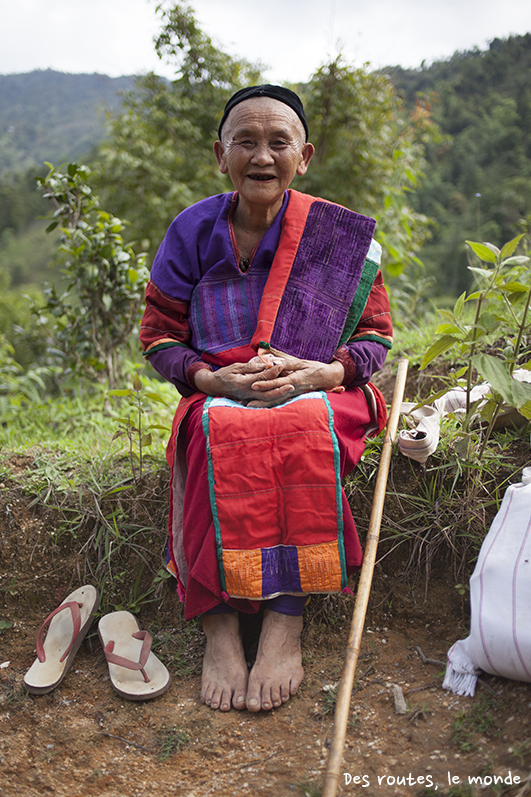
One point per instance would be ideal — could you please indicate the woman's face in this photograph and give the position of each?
(262, 149)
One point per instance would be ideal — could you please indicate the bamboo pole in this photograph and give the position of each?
(335, 755)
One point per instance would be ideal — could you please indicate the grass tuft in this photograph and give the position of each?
(170, 740)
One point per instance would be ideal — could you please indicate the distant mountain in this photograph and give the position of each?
(54, 116)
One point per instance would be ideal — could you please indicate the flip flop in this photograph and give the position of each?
(135, 672)
(68, 626)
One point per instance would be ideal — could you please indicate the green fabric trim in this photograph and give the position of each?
(368, 275)
(212, 493)
(161, 346)
(339, 501)
(387, 343)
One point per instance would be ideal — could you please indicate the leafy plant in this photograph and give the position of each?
(501, 315)
(19, 387)
(132, 427)
(99, 310)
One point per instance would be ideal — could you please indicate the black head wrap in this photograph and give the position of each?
(279, 93)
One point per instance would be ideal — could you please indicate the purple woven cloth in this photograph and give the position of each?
(323, 282)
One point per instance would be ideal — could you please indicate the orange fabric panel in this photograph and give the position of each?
(243, 573)
(320, 568)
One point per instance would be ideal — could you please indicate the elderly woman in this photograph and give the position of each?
(266, 309)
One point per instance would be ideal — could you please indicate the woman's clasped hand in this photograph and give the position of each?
(269, 380)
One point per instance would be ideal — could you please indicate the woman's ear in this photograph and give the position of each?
(307, 154)
(219, 152)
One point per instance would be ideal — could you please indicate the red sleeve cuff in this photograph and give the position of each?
(343, 356)
(191, 371)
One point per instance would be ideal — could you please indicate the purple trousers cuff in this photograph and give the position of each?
(283, 604)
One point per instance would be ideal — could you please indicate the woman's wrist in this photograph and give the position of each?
(204, 380)
(335, 374)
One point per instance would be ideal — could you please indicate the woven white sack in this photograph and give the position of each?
(500, 600)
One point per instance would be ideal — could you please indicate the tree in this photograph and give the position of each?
(158, 159)
(106, 278)
(369, 154)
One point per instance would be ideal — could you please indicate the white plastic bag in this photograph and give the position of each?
(500, 600)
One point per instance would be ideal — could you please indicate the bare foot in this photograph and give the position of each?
(224, 679)
(277, 672)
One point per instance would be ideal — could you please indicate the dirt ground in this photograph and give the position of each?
(83, 739)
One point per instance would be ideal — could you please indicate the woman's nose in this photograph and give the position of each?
(262, 155)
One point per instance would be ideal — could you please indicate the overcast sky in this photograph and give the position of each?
(291, 37)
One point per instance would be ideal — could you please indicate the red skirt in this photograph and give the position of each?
(193, 545)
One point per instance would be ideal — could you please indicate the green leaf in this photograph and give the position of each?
(510, 246)
(461, 372)
(459, 306)
(514, 287)
(525, 410)
(486, 322)
(156, 397)
(483, 272)
(125, 392)
(146, 440)
(137, 383)
(437, 348)
(448, 315)
(448, 329)
(520, 260)
(496, 372)
(119, 489)
(482, 251)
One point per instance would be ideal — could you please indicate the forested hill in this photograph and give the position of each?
(482, 99)
(53, 116)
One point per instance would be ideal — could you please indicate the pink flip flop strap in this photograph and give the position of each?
(76, 618)
(132, 665)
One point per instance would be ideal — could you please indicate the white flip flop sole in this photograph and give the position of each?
(56, 653)
(135, 672)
